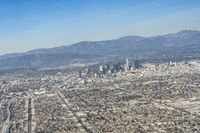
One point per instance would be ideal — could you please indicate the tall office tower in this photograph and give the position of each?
(96, 74)
(125, 68)
(86, 70)
(101, 68)
(127, 64)
(119, 66)
(137, 64)
(107, 67)
(80, 74)
(171, 63)
(115, 68)
(109, 71)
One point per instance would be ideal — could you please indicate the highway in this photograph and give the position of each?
(6, 124)
(29, 116)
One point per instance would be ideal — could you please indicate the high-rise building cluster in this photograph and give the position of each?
(105, 70)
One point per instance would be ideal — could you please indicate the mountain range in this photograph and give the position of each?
(183, 44)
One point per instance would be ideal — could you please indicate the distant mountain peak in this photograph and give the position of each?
(131, 37)
(188, 31)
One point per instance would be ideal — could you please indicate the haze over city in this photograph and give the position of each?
(32, 24)
(99, 66)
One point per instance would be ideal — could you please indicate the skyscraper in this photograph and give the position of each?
(101, 68)
(127, 65)
(80, 74)
(137, 64)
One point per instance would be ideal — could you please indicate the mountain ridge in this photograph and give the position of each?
(181, 44)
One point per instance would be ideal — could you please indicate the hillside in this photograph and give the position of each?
(184, 44)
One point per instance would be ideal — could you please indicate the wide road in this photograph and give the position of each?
(6, 124)
(29, 116)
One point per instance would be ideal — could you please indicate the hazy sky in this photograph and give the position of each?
(30, 24)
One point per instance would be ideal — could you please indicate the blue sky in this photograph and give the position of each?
(30, 24)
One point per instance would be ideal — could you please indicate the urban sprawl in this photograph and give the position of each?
(130, 97)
